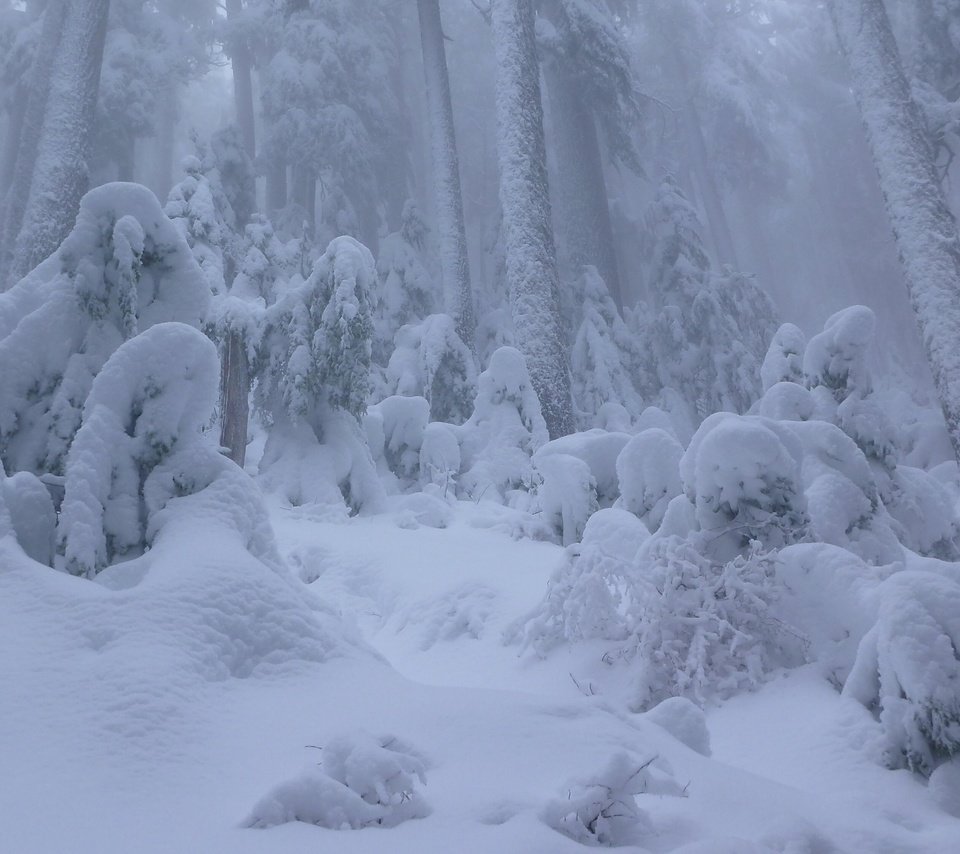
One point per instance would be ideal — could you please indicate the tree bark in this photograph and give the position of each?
(235, 405)
(525, 198)
(19, 191)
(583, 210)
(15, 119)
(61, 174)
(925, 231)
(276, 185)
(454, 261)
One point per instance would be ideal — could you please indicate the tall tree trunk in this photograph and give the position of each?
(127, 160)
(241, 61)
(583, 211)
(925, 230)
(15, 119)
(61, 173)
(525, 198)
(164, 143)
(446, 173)
(235, 397)
(40, 77)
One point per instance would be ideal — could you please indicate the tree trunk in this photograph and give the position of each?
(127, 160)
(925, 231)
(19, 191)
(276, 185)
(583, 211)
(235, 393)
(15, 119)
(446, 174)
(61, 173)
(525, 198)
(164, 143)
(241, 61)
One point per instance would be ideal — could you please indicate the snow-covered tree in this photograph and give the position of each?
(524, 195)
(123, 268)
(925, 230)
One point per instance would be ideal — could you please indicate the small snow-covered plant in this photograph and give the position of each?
(743, 475)
(596, 592)
(648, 469)
(908, 669)
(605, 356)
(407, 293)
(400, 426)
(431, 361)
(123, 268)
(706, 629)
(784, 359)
(599, 449)
(148, 403)
(504, 431)
(362, 782)
(836, 359)
(602, 810)
(314, 380)
(567, 494)
(30, 514)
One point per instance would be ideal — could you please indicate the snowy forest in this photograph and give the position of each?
(479, 426)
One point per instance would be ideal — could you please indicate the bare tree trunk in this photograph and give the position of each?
(163, 157)
(583, 210)
(446, 174)
(61, 173)
(925, 230)
(241, 61)
(235, 397)
(15, 119)
(127, 160)
(19, 191)
(525, 198)
(276, 185)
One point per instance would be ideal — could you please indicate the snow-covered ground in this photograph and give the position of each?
(158, 717)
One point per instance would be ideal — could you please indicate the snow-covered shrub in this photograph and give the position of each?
(505, 429)
(924, 512)
(567, 494)
(837, 357)
(945, 787)
(707, 629)
(784, 360)
(400, 425)
(439, 459)
(31, 514)
(602, 810)
(648, 470)
(599, 449)
(407, 292)
(123, 268)
(362, 782)
(908, 668)
(742, 474)
(786, 401)
(431, 361)
(596, 592)
(148, 403)
(605, 356)
(314, 380)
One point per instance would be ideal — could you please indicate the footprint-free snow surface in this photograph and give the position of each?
(366, 702)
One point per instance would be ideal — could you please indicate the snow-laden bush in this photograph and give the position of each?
(836, 358)
(431, 361)
(122, 269)
(605, 356)
(394, 429)
(314, 382)
(684, 720)
(648, 470)
(742, 474)
(599, 449)
(602, 810)
(596, 592)
(362, 782)
(506, 428)
(908, 669)
(567, 494)
(786, 401)
(784, 360)
(146, 406)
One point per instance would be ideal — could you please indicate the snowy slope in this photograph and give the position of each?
(154, 717)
